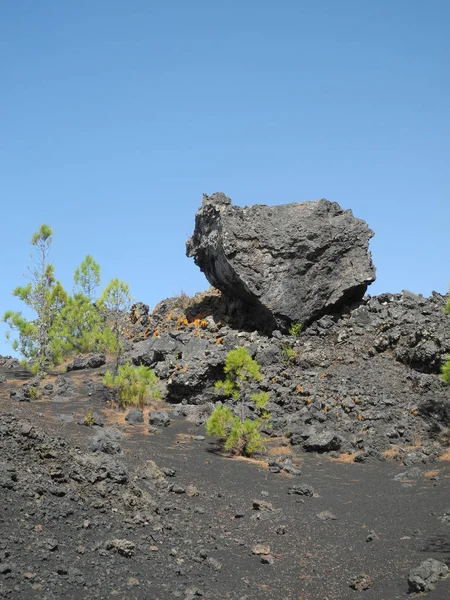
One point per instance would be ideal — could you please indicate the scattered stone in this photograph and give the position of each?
(424, 577)
(262, 505)
(326, 515)
(214, 563)
(134, 416)
(87, 362)
(191, 491)
(168, 472)
(122, 547)
(304, 489)
(372, 536)
(107, 441)
(261, 549)
(326, 441)
(360, 582)
(159, 418)
(152, 471)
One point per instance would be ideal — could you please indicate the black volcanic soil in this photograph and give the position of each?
(191, 535)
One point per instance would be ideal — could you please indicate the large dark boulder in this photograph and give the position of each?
(291, 262)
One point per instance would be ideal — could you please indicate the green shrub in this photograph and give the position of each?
(219, 421)
(133, 385)
(239, 368)
(241, 435)
(295, 329)
(245, 437)
(291, 355)
(88, 419)
(446, 372)
(33, 392)
(63, 325)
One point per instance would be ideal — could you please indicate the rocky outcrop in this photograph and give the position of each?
(363, 381)
(92, 361)
(8, 362)
(291, 262)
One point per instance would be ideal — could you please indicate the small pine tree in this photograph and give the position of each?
(242, 435)
(295, 329)
(64, 324)
(45, 296)
(134, 385)
(115, 303)
(87, 278)
(79, 327)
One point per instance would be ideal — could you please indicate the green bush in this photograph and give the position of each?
(88, 419)
(62, 324)
(295, 329)
(241, 435)
(446, 372)
(291, 355)
(33, 392)
(133, 385)
(239, 368)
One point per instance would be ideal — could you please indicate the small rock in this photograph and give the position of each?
(326, 515)
(168, 472)
(152, 471)
(303, 489)
(159, 418)
(360, 582)
(262, 505)
(267, 559)
(424, 577)
(122, 547)
(326, 441)
(25, 429)
(191, 491)
(134, 416)
(261, 549)
(214, 563)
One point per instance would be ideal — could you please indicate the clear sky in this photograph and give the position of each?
(116, 116)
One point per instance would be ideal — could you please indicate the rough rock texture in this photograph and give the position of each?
(291, 262)
(92, 361)
(365, 381)
(424, 577)
(8, 362)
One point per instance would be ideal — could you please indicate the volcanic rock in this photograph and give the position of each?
(290, 263)
(93, 361)
(159, 418)
(424, 577)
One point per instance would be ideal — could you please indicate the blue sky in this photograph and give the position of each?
(115, 117)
